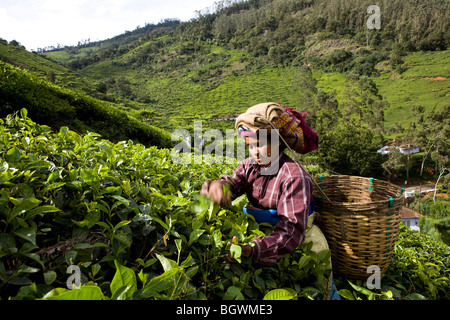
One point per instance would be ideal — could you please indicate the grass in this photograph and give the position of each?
(402, 95)
(427, 64)
(418, 85)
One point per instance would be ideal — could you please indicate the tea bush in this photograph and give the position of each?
(419, 270)
(131, 220)
(49, 104)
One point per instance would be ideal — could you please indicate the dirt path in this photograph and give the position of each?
(435, 78)
(424, 188)
(428, 78)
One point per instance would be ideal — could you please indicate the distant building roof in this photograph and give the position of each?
(407, 146)
(403, 148)
(393, 143)
(407, 213)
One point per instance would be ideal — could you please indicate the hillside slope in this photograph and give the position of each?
(52, 105)
(40, 66)
(250, 51)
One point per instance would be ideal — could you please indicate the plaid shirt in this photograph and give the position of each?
(288, 190)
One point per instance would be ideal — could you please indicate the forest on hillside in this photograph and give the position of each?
(278, 30)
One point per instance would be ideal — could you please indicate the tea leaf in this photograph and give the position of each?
(195, 235)
(124, 282)
(280, 294)
(233, 293)
(236, 252)
(22, 207)
(87, 292)
(13, 155)
(160, 283)
(28, 234)
(167, 264)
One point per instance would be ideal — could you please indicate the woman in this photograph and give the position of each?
(271, 179)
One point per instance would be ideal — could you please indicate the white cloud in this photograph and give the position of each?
(42, 23)
(7, 24)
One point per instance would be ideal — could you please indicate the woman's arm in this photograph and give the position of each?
(235, 185)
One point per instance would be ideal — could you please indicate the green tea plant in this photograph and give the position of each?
(50, 104)
(131, 220)
(133, 224)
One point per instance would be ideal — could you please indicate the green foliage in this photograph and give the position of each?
(419, 270)
(435, 220)
(52, 105)
(422, 263)
(438, 229)
(132, 221)
(435, 209)
(341, 152)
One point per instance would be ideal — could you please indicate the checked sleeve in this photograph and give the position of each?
(292, 209)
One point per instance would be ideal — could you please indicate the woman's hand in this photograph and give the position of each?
(246, 251)
(217, 194)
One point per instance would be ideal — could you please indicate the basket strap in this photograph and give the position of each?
(297, 160)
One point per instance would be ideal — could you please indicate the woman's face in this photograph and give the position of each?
(262, 153)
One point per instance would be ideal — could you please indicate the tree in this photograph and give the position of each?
(323, 116)
(396, 162)
(14, 43)
(363, 100)
(51, 76)
(432, 132)
(441, 173)
(348, 149)
(304, 83)
(409, 139)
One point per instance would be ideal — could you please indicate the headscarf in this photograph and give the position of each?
(290, 124)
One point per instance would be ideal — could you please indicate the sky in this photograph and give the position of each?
(42, 23)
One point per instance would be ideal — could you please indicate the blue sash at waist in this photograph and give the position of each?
(270, 215)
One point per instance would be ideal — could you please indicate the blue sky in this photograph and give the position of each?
(41, 23)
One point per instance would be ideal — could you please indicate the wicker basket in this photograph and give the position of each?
(360, 218)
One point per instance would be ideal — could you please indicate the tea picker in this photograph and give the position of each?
(279, 189)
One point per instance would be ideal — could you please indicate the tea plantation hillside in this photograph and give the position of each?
(55, 106)
(242, 52)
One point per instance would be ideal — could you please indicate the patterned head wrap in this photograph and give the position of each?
(290, 124)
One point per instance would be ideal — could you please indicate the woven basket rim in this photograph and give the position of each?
(389, 185)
